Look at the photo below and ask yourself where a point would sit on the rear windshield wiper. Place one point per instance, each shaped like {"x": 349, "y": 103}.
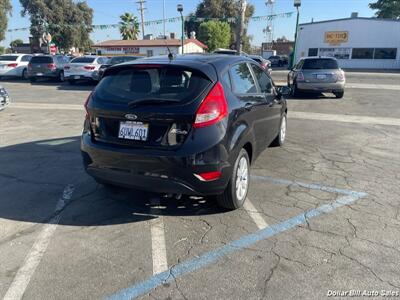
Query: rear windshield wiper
{"x": 151, "y": 101}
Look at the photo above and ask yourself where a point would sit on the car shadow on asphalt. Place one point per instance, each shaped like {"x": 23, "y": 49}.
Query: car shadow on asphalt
{"x": 34, "y": 175}
{"x": 78, "y": 86}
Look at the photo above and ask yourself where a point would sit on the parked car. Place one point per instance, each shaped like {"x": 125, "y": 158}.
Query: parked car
{"x": 84, "y": 68}
{"x": 277, "y": 61}
{"x": 4, "y": 98}
{"x": 265, "y": 64}
{"x": 116, "y": 60}
{"x": 14, "y": 65}
{"x": 47, "y": 66}
{"x": 317, "y": 75}
{"x": 192, "y": 125}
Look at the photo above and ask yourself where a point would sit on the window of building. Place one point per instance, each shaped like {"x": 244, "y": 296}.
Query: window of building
{"x": 362, "y": 53}
{"x": 242, "y": 80}
{"x": 313, "y": 52}
{"x": 385, "y": 53}
{"x": 149, "y": 53}
{"x": 338, "y": 53}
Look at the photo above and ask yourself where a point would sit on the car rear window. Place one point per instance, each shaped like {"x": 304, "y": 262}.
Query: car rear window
{"x": 8, "y": 57}
{"x": 41, "y": 59}
{"x": 257, "y": 60}
{"x": 121, "y": 59}
{"x": 318, "y": 63}
{"x": 125, "y": 85}
{"x": 84, "y": 60}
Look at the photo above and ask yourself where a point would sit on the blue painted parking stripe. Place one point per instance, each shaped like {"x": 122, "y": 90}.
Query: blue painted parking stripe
{"x": 212, "y": 256}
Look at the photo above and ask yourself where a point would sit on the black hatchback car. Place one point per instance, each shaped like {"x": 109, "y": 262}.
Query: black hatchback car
{"x": 191, "y": 125}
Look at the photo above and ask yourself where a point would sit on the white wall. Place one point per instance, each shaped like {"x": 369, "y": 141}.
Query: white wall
{"x": 363, "y": 33}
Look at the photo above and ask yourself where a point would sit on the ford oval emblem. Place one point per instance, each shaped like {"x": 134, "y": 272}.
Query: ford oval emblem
{"x": 131, "y": 116}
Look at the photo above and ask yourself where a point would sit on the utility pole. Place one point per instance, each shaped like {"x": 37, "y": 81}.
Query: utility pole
{"x": 240, "y": 26}
{"x": 141, "y": 9}
{"x": 164, "y": 19}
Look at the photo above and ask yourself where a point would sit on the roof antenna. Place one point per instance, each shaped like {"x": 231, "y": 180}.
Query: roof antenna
{"x": 170, "y": 54}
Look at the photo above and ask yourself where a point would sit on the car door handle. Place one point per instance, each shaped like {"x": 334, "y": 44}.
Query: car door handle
{"x": 248, "y": 106}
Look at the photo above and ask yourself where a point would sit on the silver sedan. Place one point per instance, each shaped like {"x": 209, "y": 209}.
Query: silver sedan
{"x": 317, "y": 75}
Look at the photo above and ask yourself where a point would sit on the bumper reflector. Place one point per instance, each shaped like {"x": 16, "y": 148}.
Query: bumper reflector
{"x": 208, "y": 176}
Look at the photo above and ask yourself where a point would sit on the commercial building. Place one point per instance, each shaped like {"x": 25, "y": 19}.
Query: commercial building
{"x": 360, "y": 43}
{"x": 149, "y": 47}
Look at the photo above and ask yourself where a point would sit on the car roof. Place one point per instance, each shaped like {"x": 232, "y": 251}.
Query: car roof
{"x": 14, "y": 54}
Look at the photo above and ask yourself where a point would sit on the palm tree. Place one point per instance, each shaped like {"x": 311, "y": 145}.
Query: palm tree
{"x": 129, "y": 27}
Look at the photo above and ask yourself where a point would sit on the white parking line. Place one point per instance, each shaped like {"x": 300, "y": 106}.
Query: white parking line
{"x": 158, "y": 247}
{"x": 32, "y": 260}
{"x": 254, "y": 214}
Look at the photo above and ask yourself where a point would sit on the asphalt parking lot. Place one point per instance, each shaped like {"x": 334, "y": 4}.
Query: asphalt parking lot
{"x": 322, "y": 215}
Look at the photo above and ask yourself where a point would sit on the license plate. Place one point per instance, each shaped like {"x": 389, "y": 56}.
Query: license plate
{"x": 321, "y": 76}
{"x": 133, "y": 131}
{"x": 39, "y": 74}
{"x": 77, "y": 77}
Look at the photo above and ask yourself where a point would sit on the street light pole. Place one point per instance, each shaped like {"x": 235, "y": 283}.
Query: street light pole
{"x": 297, "y": 4}
{"x": 179, "y": 8}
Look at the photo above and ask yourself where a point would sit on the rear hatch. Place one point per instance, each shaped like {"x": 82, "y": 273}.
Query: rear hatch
{"x": 321, "y": 70}
{"x": 41, "y": 64}
{"x": 81, "y": 65}
{"x": 146, "y": 106}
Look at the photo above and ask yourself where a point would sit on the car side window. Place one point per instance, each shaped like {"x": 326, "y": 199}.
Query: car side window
{"x": 263, "y": 79}
{"x": 242, "y": 79}
{"x": 26, "y": 58}
{"x": 300, "y": 64}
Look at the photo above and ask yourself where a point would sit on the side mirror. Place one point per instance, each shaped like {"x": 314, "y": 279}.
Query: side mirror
{"x": 283, "y": 90}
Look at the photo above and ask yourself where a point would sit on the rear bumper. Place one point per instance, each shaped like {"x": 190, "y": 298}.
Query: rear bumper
{"x": 321, "y": 86}
{"x": 10, "y": 72}
{"x": 48, "y": 74}
{"x": 82, "y": 76}
{"x": 151, "y": 170}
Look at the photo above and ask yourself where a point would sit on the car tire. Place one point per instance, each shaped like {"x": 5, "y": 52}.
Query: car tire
{"x": 24, "y": 75}
{"x": 235, "y": 193}
{"x": 71, "y": 81}
{"x": 61, "y": 77}
{"x": 280, "y": 138}
{"x": 339, "y": 95}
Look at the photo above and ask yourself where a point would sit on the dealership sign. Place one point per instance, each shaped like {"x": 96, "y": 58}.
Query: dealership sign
{"x": 121, "y": 50}
{"x": 336, "y": 37}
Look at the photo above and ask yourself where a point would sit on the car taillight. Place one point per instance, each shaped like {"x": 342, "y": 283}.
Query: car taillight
{"x": 86, "y": 105}
{"x": 300, "y": 76}
{"x": 208, "y": 176}
{"x": 67, "y": 67}
{"x": 340, "y": 76}
{"x": 213, "y": 108}
{"x": 89, "y": 67}
{"x": 51, "y": 66}
{"x": 13, "y": 65}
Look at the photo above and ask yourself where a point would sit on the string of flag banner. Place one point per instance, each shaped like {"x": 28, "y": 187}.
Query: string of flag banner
{"x": 168, "y": 20}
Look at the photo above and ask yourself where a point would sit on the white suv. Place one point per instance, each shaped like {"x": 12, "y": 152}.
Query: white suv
{"x": 14, "y": 65}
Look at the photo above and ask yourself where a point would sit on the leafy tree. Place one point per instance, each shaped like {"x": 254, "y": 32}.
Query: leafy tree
{"x": 2, "y": 49}
{"x": 215, "y": 34}
{"x": 389, "y": 9}
{"x": 221, "y": 9}
{"x": 16, "y": 43}
{"x": 5, "y": 10}
{"x": 69, "y": 22}
{"x": 129, "y": 27}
